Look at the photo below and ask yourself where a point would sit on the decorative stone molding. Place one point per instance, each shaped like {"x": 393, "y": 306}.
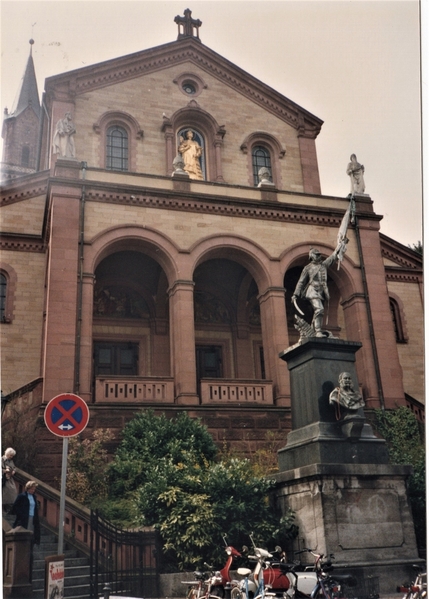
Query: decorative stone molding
{"x": 195, "y": 80}
{"x": 24, "y": 244}
{"x": 189, "y": 49}
{"x": 245, "y": 209}
{"x": 27, "y": 193}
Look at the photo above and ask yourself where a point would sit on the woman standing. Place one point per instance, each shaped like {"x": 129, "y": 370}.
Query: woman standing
{"x": 9, "y": 492}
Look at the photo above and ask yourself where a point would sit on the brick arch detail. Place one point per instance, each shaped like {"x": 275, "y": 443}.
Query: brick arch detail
{"x": 134, "y": 238}
{"x": 347, "y": 278}
{"x": 238, "y": 249}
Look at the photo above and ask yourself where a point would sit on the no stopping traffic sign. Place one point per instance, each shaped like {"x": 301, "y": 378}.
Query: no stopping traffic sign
{"x": 66, "y": 415}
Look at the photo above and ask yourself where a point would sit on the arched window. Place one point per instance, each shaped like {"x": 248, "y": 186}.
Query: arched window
{"x": 3, "y": 290}
{"x": 263, "y": 150}
{"x": 398, "y": 324}
{"x": 117, "y": 149}
{"x": 25, "y": 156}
{"x": 193, "y": 153}
{"x": 260, "y": 158}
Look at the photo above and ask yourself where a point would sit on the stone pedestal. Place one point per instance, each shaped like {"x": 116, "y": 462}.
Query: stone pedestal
{"x": 317, "y": 436}
{"x": 334, "y": 474}
{"x": 360, "y": 513}
{"x": 17, "y": 563}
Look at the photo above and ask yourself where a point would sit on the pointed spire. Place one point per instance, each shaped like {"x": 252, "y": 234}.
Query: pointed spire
{"x": 28, "y": 94}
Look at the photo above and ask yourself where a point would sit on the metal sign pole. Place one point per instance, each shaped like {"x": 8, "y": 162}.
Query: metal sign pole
{"x": 63, "y": 495}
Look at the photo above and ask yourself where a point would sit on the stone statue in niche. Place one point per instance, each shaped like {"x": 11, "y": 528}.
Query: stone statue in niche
{"x": 191, "y": 152}
{"x": 356, "y": 172}
{"x": 63, "y": 143}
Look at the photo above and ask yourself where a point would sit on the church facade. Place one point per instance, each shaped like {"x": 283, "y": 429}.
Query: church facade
{"x": 152, "y": 244}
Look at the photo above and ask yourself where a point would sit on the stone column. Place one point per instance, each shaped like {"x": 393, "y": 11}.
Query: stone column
{"x": 182, "y": 339}
{"x": 61, "y": 293}
{"x": 275, "y": 338}
{"x": 85, "y": 349}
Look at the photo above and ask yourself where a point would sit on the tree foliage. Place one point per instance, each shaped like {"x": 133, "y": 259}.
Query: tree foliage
{"x": 86, "y": 468}
{"x": 167, "y": 472}
{"x": 417, "y": 247}
{"x": 404, "y": 438}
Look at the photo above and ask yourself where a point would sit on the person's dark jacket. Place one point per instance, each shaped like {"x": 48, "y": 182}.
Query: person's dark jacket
{"x": 21, "y": 509}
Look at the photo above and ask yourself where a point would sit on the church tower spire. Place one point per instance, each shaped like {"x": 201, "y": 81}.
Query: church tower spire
{"x": 21, "y": 126}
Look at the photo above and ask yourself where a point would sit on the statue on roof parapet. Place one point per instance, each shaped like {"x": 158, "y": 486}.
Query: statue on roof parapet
{"x": 187, "y": 25}
{"x": 356, "y": 172}
{"x": 63, "y": 142}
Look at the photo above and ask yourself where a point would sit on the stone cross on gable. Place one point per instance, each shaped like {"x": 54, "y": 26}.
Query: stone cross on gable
{"x": 187, "y": 25}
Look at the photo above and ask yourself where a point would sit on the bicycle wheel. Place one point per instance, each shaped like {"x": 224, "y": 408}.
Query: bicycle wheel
{"x": 193, "y": 593}
{"x": 236, "y": 593}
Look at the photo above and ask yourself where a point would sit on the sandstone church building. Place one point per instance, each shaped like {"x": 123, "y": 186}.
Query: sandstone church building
{"x": 147, "y": 263}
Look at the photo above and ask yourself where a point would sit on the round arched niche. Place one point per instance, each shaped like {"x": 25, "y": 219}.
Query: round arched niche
{"x": 228, "y": 333}
{"x": 130, "y": 316}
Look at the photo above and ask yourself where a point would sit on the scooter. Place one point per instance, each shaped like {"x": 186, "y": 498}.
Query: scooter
{"x": 279, "y": 576}
{"x": 326, "y": 585}
{"x": 225, "y": 584}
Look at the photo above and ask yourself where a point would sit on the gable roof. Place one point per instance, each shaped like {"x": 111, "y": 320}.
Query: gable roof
{"x": 402, "y": 256}
{"x": 189, "y": 49}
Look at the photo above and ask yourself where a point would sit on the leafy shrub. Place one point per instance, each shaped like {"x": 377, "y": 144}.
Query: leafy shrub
{"x": 405, "y": 442}
{"x": 166, "y": 470}
{"x": 87, "y": 466}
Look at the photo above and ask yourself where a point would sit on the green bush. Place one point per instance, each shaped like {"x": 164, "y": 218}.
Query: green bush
{"x": 87, "y": 465}
{"x": 164, "y": 472}
{"x": 406, "y": 446}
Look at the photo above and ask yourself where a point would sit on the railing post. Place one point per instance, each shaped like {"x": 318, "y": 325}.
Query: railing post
{"x": 106, "y": 591}
{"x": 17, "y": 563}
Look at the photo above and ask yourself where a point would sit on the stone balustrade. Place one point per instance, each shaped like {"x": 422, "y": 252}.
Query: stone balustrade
{"x": 236, "y": 391}
{"x": 134, "y": 389}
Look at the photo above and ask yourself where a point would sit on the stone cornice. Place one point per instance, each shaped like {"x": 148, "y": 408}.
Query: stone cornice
{"x": 21, "y": 243}
{"x": 400, "y": 254}
{"x": 403, "y": 276}
{"x": 262, "y": 210}
{"x": 25, "y": 188}
{"x": 66, "y": 86}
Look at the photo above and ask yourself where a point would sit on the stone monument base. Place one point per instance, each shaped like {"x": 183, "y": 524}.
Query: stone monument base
{"x": 322, "y": 442}
{"x": 358, "y": 512}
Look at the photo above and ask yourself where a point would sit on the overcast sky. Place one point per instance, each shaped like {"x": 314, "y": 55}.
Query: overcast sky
{"x": 354, "y": 64}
